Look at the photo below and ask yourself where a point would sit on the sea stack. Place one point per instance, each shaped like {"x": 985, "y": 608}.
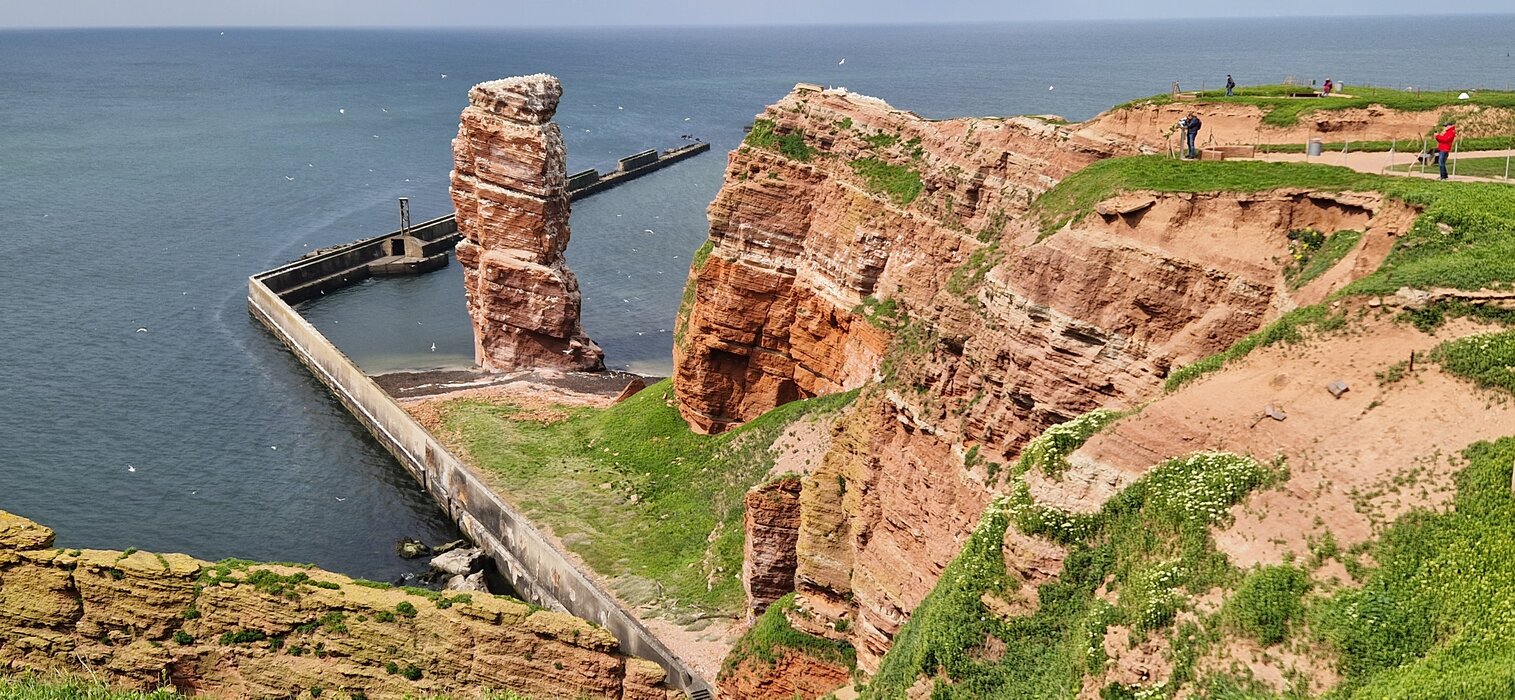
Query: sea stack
{"x": 509, "y": 185}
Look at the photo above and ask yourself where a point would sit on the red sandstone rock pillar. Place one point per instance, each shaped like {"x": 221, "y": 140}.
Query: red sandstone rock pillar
{"x": 509, "y": 185}
{"x": 773, "y": 528}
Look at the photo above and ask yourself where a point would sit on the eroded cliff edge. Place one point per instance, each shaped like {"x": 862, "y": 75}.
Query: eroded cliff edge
{"x": 241, "y": 629}
{"x": 854, "y": 244}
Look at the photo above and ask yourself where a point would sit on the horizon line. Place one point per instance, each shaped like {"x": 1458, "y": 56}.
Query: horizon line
{"x": 750, "y": 25}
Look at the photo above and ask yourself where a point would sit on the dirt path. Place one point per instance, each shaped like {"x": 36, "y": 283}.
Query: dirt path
{"x": 1379, "y": 163}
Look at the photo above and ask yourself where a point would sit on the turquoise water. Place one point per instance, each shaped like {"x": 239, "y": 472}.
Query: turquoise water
{"x": 147, "y": 173}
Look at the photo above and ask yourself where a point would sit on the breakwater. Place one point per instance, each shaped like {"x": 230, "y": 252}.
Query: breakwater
{"x": 539, "y": 571}
{"x": 426, "y": 246}
{"x": 534, "y": 567}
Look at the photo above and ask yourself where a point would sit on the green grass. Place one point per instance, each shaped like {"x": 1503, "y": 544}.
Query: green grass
{"x": 631, "y": 489}
{"x": 1488, "y": 360}
{"x": 772, "y": 634}
{"x": 1268, "y": 603}
{"x": 1075, "y": 196}
{"x": 1150, "y": 544}
{"x": 792, "y": 145}
{"x": 900, "y": 183}
{"x": 1476, "y": 167}
{"x": 1312, "y": 261}
{"x": 1279, "y": 110}
{"x": 30, "y": 687}
{"x": 1436, "y": 619}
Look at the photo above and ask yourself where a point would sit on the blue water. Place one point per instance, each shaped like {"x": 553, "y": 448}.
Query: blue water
{"x": 145, "y": 175}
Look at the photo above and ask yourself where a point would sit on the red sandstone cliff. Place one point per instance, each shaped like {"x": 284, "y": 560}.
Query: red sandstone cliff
{"x": 829, "y": 269}
{"x": 509, "y": 188}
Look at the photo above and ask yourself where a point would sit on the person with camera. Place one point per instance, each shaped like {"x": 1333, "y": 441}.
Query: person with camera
{"x": 1190, "y": 125}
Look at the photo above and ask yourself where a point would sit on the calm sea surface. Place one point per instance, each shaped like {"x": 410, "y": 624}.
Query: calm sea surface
{"x": 145, "y": 174}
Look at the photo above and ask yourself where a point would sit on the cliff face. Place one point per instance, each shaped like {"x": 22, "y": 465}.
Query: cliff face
{"x": 836, "y": 199}
{"x": 830, "y": 267}
{"x": 509, "y": 188}
{"x": 252, "y": 630}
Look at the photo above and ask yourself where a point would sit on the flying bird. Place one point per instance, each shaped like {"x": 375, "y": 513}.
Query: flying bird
{"x": 648, "y": 230}
{"x": 131, "y": 468}
{"x": 1049, "y": 87}
{"x": 841, "y": 61}
{"x": 286, "y": 177}
{"x": 433, "y": 347}
{"x": 339, "y": 498}
{"x": 141, "y": 329}
{"x": 341, "y": 111}
{"x": 444, "y": 75}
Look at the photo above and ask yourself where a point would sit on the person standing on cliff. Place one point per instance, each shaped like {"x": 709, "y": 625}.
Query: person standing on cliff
{"x": 1444, "y": 142}
{"x": 1327, "y": 87}
{"x": 1230, "y": 86}
{"x": 1190, "y": 125}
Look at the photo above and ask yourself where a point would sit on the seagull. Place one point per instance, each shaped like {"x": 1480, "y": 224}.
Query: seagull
{"x": 376, "y": 136}
{"x": 687, "y": 118}
{"x": 286, "y": 177}
{"x": 444, "y": 75}
{"x": 841, "y": 61}
{"x": 620, "y": 108}
{"x": 310, "y": 165}
{"x": 433, "y": 347}
{"x": 142, "y": 329}
{"x": 384, "y": 110}
{"x": 273, "y": 447}
{"x": 648, "y": 230}
{"x": 131, "y": 468}
{"x": 339, "y": 498}
{"x": 1049, "y": 87}
{"x": 341, "y": 111}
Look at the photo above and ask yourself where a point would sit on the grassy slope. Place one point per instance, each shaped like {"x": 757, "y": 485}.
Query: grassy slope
{"x": 61, "y": 688}
{"x": 631, "y": 489}
{"x": 1282, "y": 111}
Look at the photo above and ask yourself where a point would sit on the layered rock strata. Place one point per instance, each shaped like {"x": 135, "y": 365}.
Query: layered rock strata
{"x": 853, "y": 242}
{"x": 509, "y": 185}
{"x": 772, "y": 521}
{"x": 239, "y": 630}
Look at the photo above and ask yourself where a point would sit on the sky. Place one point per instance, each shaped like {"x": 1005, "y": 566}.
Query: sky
{"x": 571, "y": 13}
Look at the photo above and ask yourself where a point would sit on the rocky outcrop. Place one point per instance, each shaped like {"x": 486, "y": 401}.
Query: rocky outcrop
{"x": 791, "y": 675}
{"x": 834, "y": 200}
{"x": 239, "y": 629}
{"x": 509, "y": 186}
{"x": 772, "y": 521}
{"x": 829, "y": 268}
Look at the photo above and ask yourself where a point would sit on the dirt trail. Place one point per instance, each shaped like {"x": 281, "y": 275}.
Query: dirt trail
{"x": 1379, "y": 163}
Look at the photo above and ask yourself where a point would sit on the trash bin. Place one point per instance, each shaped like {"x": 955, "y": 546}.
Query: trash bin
{"x": 1314, "y": 148}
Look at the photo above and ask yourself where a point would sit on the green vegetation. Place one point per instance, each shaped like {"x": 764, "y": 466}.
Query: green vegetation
{"x": 1150, "y": 544}
{"x": 1075, "y": 197}
{"x": 792, "y": 145}
{"x": 772, "y": 634}
{"x": 697, "y": 263}
{"x": 243, "y": 637}
{"x": 1431, "y": 316}
{"x": 1287, "y": 329}
{"x": 1436, "y": 619}
{"x": 405, "y": 609}
{"x": 1268, "y": 602}
{"x": 901, "y": 184}
{"x": 1281, "y": 110}
{"x": 1315, "y": 253}
{"x": 31, "y": 687}
{"x": 1049, "y": 451}
{"x": 631, "y": 488}
{"x": 881, "y": 313}
{"x": 1476, "y": 167}
{"x": 1488, "y": 360}
{"x": 882, "y": 140}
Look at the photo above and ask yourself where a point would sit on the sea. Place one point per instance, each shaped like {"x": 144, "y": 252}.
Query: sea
{"x": 144, "y": 174}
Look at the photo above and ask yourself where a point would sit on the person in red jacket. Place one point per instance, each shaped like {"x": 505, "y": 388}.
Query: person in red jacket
{"x": 1444, "y": 146}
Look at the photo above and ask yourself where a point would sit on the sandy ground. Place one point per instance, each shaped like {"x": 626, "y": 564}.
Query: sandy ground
{"x": 1379, "y": 163}
{"x": 1355, "y": 463}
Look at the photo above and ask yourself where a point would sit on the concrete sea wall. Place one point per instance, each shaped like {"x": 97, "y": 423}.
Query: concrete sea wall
{"x": 535, "y": 568}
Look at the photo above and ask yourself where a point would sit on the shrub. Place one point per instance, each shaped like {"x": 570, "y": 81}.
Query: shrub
{"x": 1267, "y": 603}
